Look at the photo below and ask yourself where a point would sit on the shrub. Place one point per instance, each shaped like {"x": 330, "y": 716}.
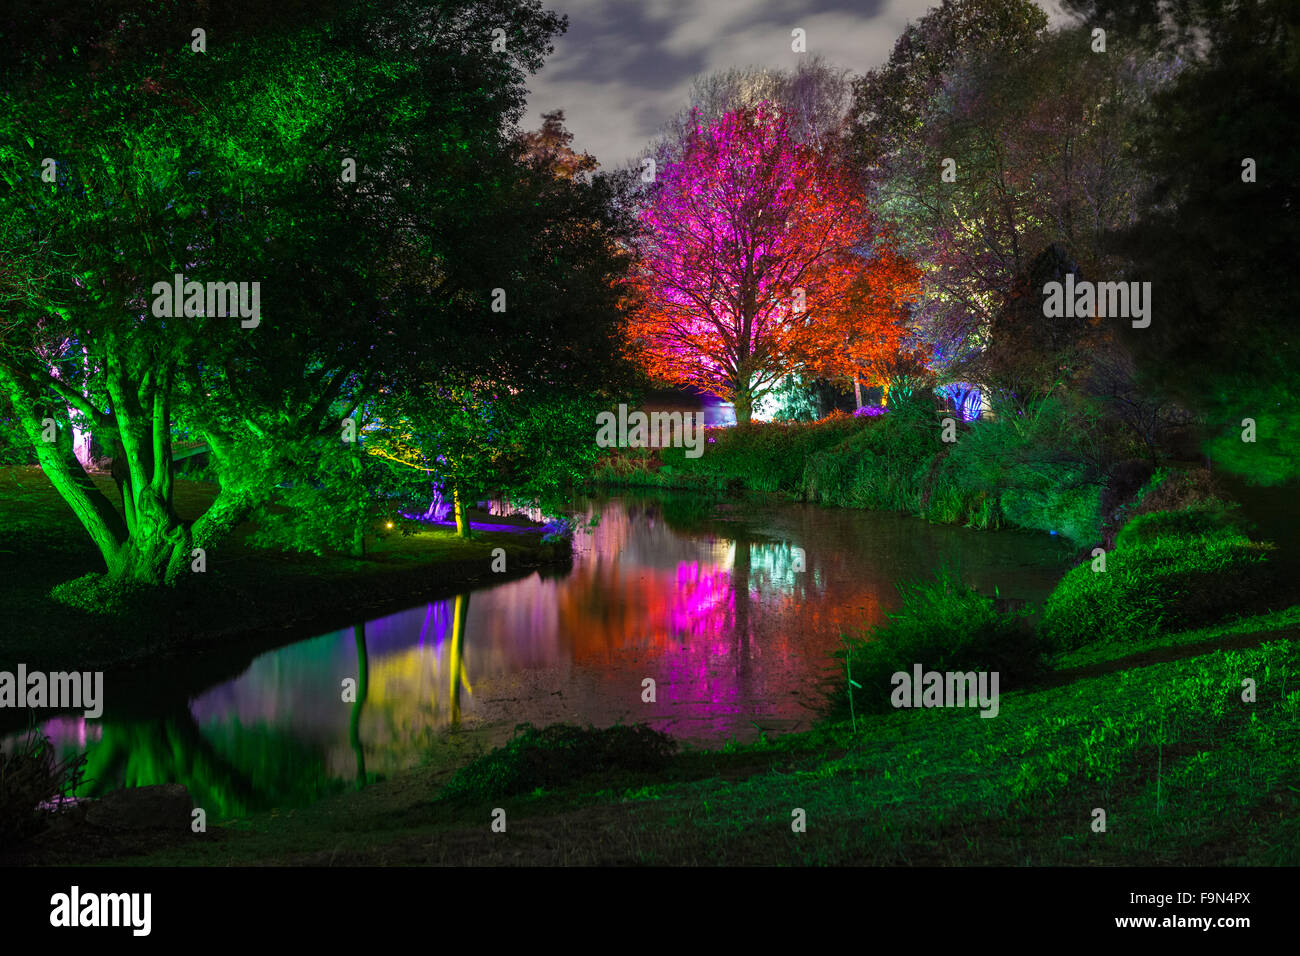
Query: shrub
{"x": 1194, "y": 522}
{"x": 1073, "y": 510}
{"x": 553, "y": 756}
{"x": 1183, "y": 501}
{"x": 764, "y": 456}
{"x": 882, "y": 466}
{"x": 943, "y": 625}
{"x": 1042, "y": 464}
{"x": 1166, "y": 583}
{"x": 32, "y": 779}
{"x": 1173, "y": 490}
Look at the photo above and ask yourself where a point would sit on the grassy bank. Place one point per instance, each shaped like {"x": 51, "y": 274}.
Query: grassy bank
{"x": 247, "y": 594}
{"x": 1034, "y": 469}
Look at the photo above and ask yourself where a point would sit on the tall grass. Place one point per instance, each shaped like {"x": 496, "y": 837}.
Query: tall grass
{"x": 32, "y": 779}
{"x": 762, "y": 456}
{"x": 942, "y": 624}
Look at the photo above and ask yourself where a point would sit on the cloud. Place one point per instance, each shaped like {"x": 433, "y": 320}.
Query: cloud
{"x": 623, "y": 68}
{"x": 626, "y": 66}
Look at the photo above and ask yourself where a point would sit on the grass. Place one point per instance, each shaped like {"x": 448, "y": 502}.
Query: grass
{"x": 31, "y": 776}
{"x": 550, "y": 757}
{"x": 944, "y": 625}
{"x": 1140, "y": 714}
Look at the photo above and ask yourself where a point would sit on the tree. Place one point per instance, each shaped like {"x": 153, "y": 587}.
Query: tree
{"x": 748, "y": 245}
{"x": 550, "y": 145}
{"x": 1010, "y": 160}
{"x": 514, "y": 412}
{"x": 891, "y": 101}
{"x": 860, "y": 339}
{"x": 1217, "y": 233}
{"x": 158, "y": 171}
{"x": 813, "y": 99}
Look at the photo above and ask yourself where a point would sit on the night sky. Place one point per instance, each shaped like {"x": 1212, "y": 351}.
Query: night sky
{"x": 625, "y": 67}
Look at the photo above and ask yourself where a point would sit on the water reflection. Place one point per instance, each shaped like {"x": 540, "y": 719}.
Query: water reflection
{"x": 733, "y": 610}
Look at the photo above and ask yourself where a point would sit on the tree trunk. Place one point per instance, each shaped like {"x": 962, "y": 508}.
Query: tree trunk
{"x": 744, "y": 403}
{"x": 857, "y": 393}
{"x": 462, "y": 514}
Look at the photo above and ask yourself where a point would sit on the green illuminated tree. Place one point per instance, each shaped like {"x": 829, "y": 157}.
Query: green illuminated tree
{"x": 228, "y": 165}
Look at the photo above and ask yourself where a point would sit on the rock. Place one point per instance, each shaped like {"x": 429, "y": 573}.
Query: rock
{"x": 163, "y": 807}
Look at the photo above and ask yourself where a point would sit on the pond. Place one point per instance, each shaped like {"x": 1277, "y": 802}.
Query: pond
{"x": 732, "y": 608}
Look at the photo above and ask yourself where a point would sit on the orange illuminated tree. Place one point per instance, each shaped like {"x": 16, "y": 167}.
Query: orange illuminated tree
{"x": 861, "y": 339}
{"x": 753, "y": 262}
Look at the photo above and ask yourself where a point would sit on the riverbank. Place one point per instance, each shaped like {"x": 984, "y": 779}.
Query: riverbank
{"x": 1038, "y": 470}
{"x": 247, "y": 596}
{"x": 1159, "y": 739}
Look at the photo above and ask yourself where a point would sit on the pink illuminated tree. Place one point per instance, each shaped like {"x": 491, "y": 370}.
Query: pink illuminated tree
{"x": 751, "y": 254}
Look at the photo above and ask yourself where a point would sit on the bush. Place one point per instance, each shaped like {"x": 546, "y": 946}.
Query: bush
{"x": 1186, "y": 501}
{"x": 554, "y": 756}
{"x": 32, "y": 779}
{"x": 1040, "y": 463}
{"x": 763, "y": 456}
{"x": 943, "y": 625}
{"x": 1195, "y": 522}
{"x": 1073, "y": 510}
{"x": 1170, "y": 581}
{"x": 882, "y": 466}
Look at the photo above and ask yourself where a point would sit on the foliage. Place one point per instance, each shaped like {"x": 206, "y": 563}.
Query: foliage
{"x": 472, "y": 443}
{"x": 882, "y": 466}
{"x": 943, "y": 625}
{"x": 104, "y": 595}
{"x": 1171, "y": 574}
{"x": 337, "y": 493}
{"x": 813, "y": 98}
{"x": 162, "y": 161}
{"x": 1041, "y": 146}
{"x": 792, "y": 400}
{"x": 1212, "y": 244}
{"x": 748, "y": 255}
{"x": 764, "y": 456}
{"x": 1041, "y": 461}
{"x": 31, "y": 779}
{"x": 1179, "y": 502}
{"x": 889, "y": 102}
